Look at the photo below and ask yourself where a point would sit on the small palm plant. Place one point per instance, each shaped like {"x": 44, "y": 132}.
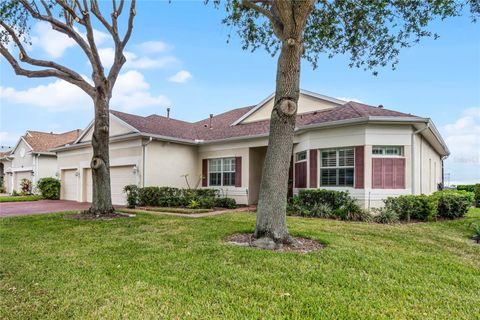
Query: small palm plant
{"x": 476, "y": 232}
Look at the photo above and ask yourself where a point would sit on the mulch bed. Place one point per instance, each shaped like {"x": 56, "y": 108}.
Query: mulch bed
{"x": 303, "y": 245}
{"x": 86, "y": 216}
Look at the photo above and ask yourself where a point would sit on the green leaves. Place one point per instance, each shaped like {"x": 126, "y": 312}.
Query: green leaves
{"x": 371, "y": 32}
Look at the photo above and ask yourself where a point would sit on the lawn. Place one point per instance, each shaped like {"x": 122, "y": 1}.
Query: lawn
{"x": 20, "y": 198}
{"x": 155, "y": 266}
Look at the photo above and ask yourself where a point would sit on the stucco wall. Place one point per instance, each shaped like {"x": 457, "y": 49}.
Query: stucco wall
{"x": 305, "y": 104}
{"x": 166, "y": 162}
{"x": 256, "y": 159}
{"x": 116, "y": 128}
{"x": 24, "y": 162}
{"x": 46, "y": 167}
{"x": 428, "y": 167}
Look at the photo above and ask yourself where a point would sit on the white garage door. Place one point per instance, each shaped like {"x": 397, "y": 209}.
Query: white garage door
{"x": 69, "y": 185}
{"x": 18, "y": 179}
{"x": 119, "y": 178}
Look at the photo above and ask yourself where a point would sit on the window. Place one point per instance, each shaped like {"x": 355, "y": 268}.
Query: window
{"x": 300, "y": 156}
{"x": 221, "y": 172}
{"x": 337, "y": 167}
{"x": 387, "y": 150}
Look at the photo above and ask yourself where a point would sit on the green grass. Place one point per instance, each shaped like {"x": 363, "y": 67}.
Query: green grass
{"x": 20, "y": 198}
{"x": 168, "y": 267}
{"x": 168, "y": 209}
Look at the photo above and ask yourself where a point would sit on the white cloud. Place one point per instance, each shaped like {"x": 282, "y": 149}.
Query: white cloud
{"x": 54, "y": 96}
{"x": 463, "y": 137}
{"x": 55, "y": 43}
{"x": 8, "y": 139}
{"x": 181, "y": 77}
{"x": 131, "y": 92}
{"x": 153, "y": 47}
{"x": 134, "y": 62}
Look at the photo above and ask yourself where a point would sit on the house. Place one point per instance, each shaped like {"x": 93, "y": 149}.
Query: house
{"x": 372, "y": 152}
{"x": 31, "y": 159}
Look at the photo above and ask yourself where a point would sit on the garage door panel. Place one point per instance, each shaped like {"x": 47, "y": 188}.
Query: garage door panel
{"x": 119, "y": 178}
{"x": 69, "y": 185}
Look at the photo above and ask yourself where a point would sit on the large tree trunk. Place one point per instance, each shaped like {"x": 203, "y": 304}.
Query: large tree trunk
{"x": 271, "y": 211}
{"x": 101, "y": 199}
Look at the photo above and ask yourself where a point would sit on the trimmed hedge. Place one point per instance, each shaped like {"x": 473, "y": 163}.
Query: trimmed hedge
{"x": 175, "y": 197}
{"x": 448, "y": 204}
{"x": 49, "y": 188}
{"x": 411, "y": 207}
{"x": 321, "y": 203}
{"x": 466, "y": 187}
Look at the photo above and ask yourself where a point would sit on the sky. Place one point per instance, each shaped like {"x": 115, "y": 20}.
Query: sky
{"x": 179, "y": 57}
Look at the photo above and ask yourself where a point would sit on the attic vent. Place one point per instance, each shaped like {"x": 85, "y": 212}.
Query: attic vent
{"x": 211, "y": 118}
{"x": 168, "y": 113}
{"x": 380, "y": 106}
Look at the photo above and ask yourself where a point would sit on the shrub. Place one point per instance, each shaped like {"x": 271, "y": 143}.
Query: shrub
{"x": 225, "y": 202}
{"x": 149, "y": 196}
{"x": 3, "y": 189}
{"x": 193, "y": 204}
{"x": 477, "y": 195}
{"x": 335, "y": 199}
{"x": 206, "y": 203}
{"x": 466, "y": 187}
{"x": 476, "y": 233}
{"x": 15, "y": 193}
{"x": 49, "y": 188}
{"x": 26, "y": 186}
{"x": 353, "y": 212}
{"x": 384, "y": 215}
{"x": 419, "y": 207}
{"x": 321, "y": 210}
{"x": 171, "y": 197}
{"x": 451, "y": 205}
{"x": 132, "y": 195}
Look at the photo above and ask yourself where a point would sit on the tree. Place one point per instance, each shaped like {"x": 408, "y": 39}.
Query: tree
{"x": 68, "y": 17}
{"x": 372, "y": 32}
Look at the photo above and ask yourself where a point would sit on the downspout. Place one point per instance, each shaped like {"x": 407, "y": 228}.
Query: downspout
{"x": 443, "y": 171}
{"x": 413, "y": 157}
{"x": 144, "y": 160}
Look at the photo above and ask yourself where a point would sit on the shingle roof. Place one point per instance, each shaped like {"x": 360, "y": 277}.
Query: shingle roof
{"x": 221, "y": 125}
{"x": 44, "y": 141}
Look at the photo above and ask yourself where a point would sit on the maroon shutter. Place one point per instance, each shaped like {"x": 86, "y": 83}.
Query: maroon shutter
{"x": 399, "y": 173}
{"x": 313, "y": 168}
{"x": 388, "y": 173}
{"x": 205, "y": 173}
{"x": 301, "y": 174}
{"x": 377, "y": 173}
{"x": 238, "y": 171}
{"x": 359, "y": 167}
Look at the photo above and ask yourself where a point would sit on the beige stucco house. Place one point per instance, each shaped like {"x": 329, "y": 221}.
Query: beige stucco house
{"x": 31, "y": 159}
{"x": 372, "y": 152}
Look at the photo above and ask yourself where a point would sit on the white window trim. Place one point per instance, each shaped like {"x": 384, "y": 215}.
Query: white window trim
{"x": 319, "y": 161}
{"x": 402, "y": 149}
{"x": 221, "y": 172}
{"x": 306, "y": 156}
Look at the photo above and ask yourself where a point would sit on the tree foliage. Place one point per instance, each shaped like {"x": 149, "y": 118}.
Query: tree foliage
{"x": 370, "y": 32}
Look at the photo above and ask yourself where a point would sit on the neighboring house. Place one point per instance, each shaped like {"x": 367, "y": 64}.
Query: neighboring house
{"x": 31, "y": 159}
{"x": 5, "y": 162}
{"x": 372, "y": 152}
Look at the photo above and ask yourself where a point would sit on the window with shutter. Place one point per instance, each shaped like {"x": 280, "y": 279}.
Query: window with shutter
{"x": 337, "y": 167}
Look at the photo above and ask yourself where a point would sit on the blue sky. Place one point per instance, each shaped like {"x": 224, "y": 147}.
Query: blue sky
{"x": 178, "y": 56}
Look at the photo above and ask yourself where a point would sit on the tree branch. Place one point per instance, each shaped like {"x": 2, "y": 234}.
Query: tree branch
{"x": 82, "y": 84}
{"x": 130, "y": 24}
{"x": 277, "y": 25}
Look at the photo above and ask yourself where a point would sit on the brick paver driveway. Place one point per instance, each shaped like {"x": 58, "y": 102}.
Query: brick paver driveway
{"x": 9, "y": 209}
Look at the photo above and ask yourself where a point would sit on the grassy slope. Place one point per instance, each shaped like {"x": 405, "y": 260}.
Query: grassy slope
{"x": 20, "y": 198}
{"x": 165, "y": 267}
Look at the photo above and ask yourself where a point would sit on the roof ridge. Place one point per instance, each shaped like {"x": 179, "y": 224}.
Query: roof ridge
{"x": 353, "y": 105}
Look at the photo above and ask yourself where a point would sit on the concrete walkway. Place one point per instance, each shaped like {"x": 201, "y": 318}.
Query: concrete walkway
{"x": 11, "y": 209}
